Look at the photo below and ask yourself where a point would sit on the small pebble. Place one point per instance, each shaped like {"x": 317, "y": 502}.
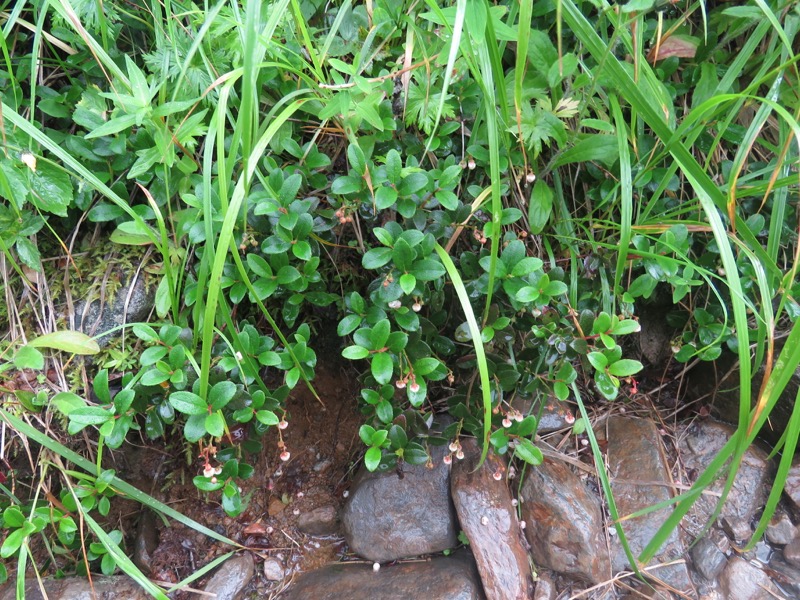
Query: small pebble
{"x": 273, "y": 569}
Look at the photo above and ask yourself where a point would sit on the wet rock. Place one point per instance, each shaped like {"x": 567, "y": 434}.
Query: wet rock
{"x": 639, "y": 479}
{"x": 545, "y": 588}
{"x": 452, "y": 577}
{"x": 488, "y": 518}
{"x": 320, "y": 521}
{"x": 792, "y": 487}
{"x": 146, "y": 541}
{"x": 564, "y": 523}
{"x": 785, "y": 575}
{"x": 78, "y": 588}
{"x": 708, "y": 559}
{"x": 551, "y": 412}
{"x": 273, "y": 569}
{"x": 699, "y": 445}
{"x": 780, "y": 530}
{"x": 228, "y": 582}
{"x": 387, "y": 517}
{"x": 742, "y": 581}
{"x": 791, "y": 552}
{"x": 132, "y": 302}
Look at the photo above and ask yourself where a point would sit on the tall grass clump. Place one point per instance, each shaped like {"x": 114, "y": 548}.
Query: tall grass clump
{"x": 482, "y": 195}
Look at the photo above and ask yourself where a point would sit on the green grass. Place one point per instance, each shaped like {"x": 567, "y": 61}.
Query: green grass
{"x": 189, "y": 124}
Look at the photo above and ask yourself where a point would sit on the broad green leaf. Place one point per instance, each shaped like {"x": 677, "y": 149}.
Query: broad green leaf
{"x": 540, "y": 206}
{"x": 358, "y": 162}
{"x": 215, "y": 424}
{"x": 74, "y": 342}
{"x": 385, "y": 197}
{"x": 348, "y": 325}
{"x": 355, "y": 352}
{"x": 131, "y": 233}
{"x": 28, "y": 253}
{"x": 626, "y": 326}
{"x": 527, "y": 294}
{"x": 28, "y": 357}
{"x": 372, "y": 458}
{"x": 625, "y": 367}
{"x": 595, "y": 147}
{"x": 380, "y": 334}
{"x": 163, "y": 300}
{"x": 146, "y": 333}
{"x": 195, "y": 427}
{"x": 407, "y": 283}
{"x": 267, "y": 417}
{"x": 428, "y": 269}
{"x": 188, "y": 403}
{"x": 376, "y": 258}
{"x": 598, "y": 360}
{"x": 528, "y": 452}
{"x": 221, "y": 394}
{"x": 66, "y": 402}
{"x": 402, "y": 255}
{"x": 365, "y": 432}
{"x": 382, "y": 367}
{"x": 13, "y": 517}
{"x": 526, "y": 266}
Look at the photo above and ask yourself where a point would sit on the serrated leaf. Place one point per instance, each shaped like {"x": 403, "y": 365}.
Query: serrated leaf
{"x": 51, "y": 189}
{"x": 28, "y": 357}
{"x": 28, "y": 253}
{"x": 74, "y": 342}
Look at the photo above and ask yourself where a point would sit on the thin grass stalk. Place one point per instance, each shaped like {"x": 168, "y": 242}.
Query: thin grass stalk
{"x": 118, "y": 484}
{"x": 626, "y": 193}
{"x": 225, "y": 241}
{"x": 605, "y": 483}
{"x": 710, "y": 198}
{"x": 477, "y": 341}
{"x": 120, "y": 558}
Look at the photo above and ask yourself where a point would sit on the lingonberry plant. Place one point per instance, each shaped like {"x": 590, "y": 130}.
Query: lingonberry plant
{"x": 482, "y": 197}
